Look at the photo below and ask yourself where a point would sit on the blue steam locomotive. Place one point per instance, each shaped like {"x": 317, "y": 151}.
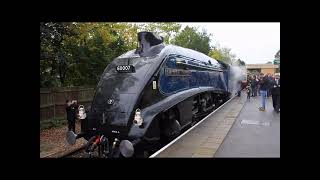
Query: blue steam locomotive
{"x": 148, "y": 96}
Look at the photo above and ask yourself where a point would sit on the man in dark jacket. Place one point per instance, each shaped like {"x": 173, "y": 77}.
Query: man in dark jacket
{"x": 264, "y": 86}
{"x": 275, "y": 91}
{"x": 248, "y": 88}
{"x": 270, "y": 79}
{"x": 254, "y": 86}
{"x": 71, "y": 109}
{"x": 258, "y": 84}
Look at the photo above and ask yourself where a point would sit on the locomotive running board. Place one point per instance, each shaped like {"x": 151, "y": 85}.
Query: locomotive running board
{"x": 173, "y": 141}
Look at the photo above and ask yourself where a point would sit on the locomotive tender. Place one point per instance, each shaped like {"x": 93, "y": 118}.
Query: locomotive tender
{"x": 147, "y": 96}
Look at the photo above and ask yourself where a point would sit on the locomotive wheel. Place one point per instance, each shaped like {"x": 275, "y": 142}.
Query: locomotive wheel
{"x": 170, "y": 126}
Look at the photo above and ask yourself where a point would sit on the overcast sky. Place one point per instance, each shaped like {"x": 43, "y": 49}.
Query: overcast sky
{"x": 251, "y": 42}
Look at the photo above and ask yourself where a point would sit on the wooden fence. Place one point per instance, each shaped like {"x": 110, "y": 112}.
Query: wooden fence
{"x": 52, "y": 101}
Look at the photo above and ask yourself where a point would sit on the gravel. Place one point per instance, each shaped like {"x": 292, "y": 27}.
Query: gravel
{"x": 53, "y": 141}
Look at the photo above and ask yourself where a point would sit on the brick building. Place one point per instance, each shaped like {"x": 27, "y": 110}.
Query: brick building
{"x": 262, "y": 68}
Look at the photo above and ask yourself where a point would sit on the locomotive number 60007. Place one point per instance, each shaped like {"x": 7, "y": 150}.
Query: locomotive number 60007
{"x": 125, "y": 68}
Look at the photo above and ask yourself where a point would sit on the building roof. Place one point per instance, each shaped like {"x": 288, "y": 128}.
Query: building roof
{"x": 260, "y": 66}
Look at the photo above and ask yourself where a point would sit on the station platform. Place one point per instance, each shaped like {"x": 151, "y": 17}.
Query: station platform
{"x": 238, "y": 129}
{"x": 254, "y": 133}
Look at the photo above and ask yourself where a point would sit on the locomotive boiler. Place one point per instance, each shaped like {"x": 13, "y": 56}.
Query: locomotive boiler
{"x": 148, "y": 96}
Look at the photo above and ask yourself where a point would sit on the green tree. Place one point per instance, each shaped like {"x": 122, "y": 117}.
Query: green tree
{"x": 52, "y": 60}
{"x": 99, "y": 44}
{"x": 223, "y": 54}
{"x": 73, "y": 54}
{"x": 216, "y": 53}
{"x": 191, "y": 38}
{"x": 277, "y": 56}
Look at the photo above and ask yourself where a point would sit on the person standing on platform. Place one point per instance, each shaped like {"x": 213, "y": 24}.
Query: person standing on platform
{"x": 258, "y": 85}
{"x": 254, "y": 86}
{"x": 264, "y": 86}
{"x": 276, "y": 93}
{"x": 248, "y": 88}
{"x": 270, "y": 79}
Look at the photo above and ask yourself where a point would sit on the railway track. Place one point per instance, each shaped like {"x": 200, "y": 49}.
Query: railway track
{"x": 74, "y": 153}
{"x": 66, "y": 154}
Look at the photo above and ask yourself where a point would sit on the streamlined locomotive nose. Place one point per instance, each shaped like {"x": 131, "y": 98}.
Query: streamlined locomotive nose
{"x": 117, "y": 93}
